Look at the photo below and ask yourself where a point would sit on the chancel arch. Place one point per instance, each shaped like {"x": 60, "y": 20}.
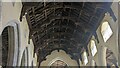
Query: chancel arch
{"x": 62, "y": 56}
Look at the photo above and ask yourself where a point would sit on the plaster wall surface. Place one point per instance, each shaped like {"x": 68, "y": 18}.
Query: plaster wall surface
{"x": 10, "y": 12}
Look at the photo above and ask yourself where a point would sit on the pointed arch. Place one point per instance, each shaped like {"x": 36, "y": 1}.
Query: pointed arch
{"x": 61, "y": 55}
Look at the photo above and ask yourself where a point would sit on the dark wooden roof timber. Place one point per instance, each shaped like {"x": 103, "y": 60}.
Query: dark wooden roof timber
{"x": 63, "y": 25}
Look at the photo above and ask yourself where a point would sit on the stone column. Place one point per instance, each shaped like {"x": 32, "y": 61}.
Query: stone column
{"x": 92, "y": 63}
{"x": 102, "y": 56}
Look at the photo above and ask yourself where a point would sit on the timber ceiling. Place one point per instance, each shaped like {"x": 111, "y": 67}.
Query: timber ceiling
{"x": 66, "y": 26}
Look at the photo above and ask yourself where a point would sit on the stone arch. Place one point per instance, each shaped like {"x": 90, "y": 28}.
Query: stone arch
{"x": 61, "y": 55}
{"x": 25, "y": 57}
{"x": 13, "y": 42}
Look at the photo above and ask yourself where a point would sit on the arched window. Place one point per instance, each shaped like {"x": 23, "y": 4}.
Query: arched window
{"x": 93, "y": 47}
{"x": 9, "y": 46}
{"x": 106, "y": 31}
{"x": 85, "y": 57}
{"x": 59, "y": 64}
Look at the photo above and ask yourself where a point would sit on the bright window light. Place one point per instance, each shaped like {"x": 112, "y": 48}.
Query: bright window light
{"x": 85, "y": 59}
{"x": 106, "y": 31}
{"x": 93, "y": 47}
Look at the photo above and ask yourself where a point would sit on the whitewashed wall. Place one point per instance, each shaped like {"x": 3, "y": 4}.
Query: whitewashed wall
{"x": 11, "y": 13}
